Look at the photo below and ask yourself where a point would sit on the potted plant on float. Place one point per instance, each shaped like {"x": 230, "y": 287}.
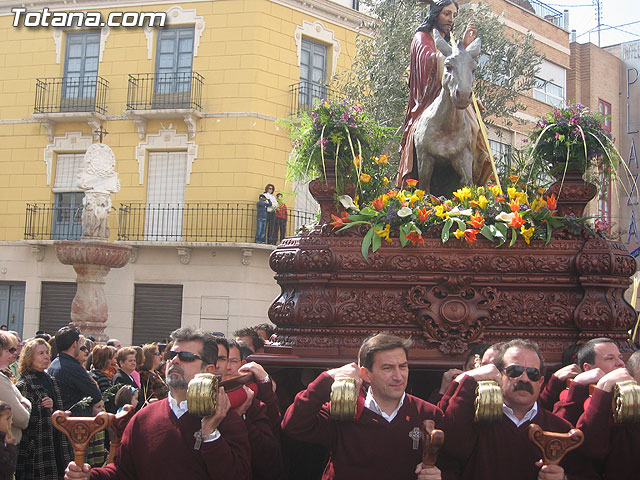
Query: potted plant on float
{"x": 334, "y": 144}
{"x": 578, "y": 152}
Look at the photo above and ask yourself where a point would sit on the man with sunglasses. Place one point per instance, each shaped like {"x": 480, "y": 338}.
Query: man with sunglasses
{"x": 74, "y": 380}
{"x": 163, "y": 440}
{"x": 502, "y": 450}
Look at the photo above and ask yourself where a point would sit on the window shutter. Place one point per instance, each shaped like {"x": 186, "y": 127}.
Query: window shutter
{"x": 68, "y": 165}
{"x": 55, "y": 305}
{"x": 157, "y": 311}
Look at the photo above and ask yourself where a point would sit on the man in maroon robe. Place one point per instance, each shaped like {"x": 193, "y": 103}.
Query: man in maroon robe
{"x": 425, "y": 75}
{"x": 384, "y": 441}
{"x": 164, "y": 440}
{"x": 502, "y": 450}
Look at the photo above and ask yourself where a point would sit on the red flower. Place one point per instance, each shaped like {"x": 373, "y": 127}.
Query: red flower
{"x": 552, "y": 202}
{"x": 379, "y": 202}
{"x": 517, "y": 221}
{"x": 415, "y": 237}
{"x": 470, "y": 235}
{"x": 337, "y": 223}
{"x": 501, "y": 198}
{"x": 411, "y": 182}
{"x": 476, "y": 221}
{"x": 423, "y": 214}
{"x": 515, "y": 205}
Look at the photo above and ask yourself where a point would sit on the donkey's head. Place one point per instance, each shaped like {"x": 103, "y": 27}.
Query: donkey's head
{"x": 459, "y": 69}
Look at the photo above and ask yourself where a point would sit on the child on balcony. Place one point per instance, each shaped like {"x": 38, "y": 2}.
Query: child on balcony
{"x": 261, "y": 219}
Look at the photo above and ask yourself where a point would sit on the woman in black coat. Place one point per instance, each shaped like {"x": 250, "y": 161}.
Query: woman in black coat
{"x": 44, "y": 451}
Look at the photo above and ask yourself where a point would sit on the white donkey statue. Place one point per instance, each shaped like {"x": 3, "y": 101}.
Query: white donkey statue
{"x": 443, "y": 136}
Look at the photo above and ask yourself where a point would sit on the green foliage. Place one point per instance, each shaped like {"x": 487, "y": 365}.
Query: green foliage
{"x": 335, "y": 134}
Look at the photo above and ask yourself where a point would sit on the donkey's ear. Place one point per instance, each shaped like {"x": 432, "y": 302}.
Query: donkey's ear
{"x": 474, "y": 48}
{"x": 443, "y": 45}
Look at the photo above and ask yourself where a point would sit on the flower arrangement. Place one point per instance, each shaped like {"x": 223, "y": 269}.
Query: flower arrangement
{"x": 410, "y": 214}
{"x": 336, "y": 133}
{"x": 573, "y": 138}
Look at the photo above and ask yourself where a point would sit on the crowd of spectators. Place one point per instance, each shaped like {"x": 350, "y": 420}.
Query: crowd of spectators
{"x": 285, "y": 431}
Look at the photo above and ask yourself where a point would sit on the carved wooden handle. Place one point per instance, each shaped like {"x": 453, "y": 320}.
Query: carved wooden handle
{"x": 554, "y": 446}
{"x": 79, "y": 430}
{"x": 433, "y": 440}
{"x": 117, "y": 425}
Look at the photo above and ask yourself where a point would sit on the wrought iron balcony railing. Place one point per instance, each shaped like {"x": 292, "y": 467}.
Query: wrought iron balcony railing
{"x": 196, "y": 222}
{"x": 542, "y": 10}
{"x": 303, "y": 96}
{"x": 71, "y": 94}
{"x": 176, "y": 90}
{"x": 165, "y": 222}
{"x": 48, "y": 221}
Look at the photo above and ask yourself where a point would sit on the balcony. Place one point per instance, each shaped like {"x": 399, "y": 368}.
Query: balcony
{"x": 543, "y": 11}
{"x": 142, "y": 222}
{"x": 302, "y": 96}
{"x": 195, "y": 222}
{"x": 165, "y": 95}
{"x": 70, "y": 99}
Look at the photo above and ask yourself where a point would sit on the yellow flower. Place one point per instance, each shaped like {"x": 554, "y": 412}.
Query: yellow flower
{"x": 355, "y": 201}
{"x": 538, "y": 203}
{"x": 381, "y": 160}
{"x": 511, "y": 191}
{"x": 384, "y": 232}
{"x": 440, "y": 211}
{"x": 522, "y": 198}
{"x": 402, "y": 196}
{"x": 527, "y": 233}
{"x": 365, "y": 178}
{"x": 459, "y": 233}
{"x": 385, "y": 181}
{"x": 495, "y": 189}
{"x": 462, "y": 194}
{"x": 414, "y": 198}
{"x": 420, "y": 194}
{"x": 482, "y": 202}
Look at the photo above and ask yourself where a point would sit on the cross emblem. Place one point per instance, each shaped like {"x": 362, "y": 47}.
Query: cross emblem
{"x": 415, "y": 435}
{"x": 101, "y": 132}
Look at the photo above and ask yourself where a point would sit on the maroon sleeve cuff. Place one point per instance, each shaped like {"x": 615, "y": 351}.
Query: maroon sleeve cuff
{"x": 578, "y": 392}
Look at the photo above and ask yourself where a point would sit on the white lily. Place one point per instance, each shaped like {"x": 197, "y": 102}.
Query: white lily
{"x": 347, "y": 202}
{"x": 456, "y": 212}
{"x": 505, "y": 217}
{"x": 404, "y": 212}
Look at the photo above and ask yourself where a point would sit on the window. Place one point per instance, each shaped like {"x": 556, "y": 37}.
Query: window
{"x": 165, "y": 196}
{"x": 501, "y": 154}
{"x": 174, "y": 59}
{"x": 605, "y": 109}
{"x": 67, "y": 206}
{"x": 157, "y": 311}
{"x": 313, "y": 72}
{"x": 55, "y": 305}
{"x": 550, "y": 84}
{"x": 80, "y": 71}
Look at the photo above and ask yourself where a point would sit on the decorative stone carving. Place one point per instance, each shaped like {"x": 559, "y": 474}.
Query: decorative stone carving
{"x": 184, "y": 254}
{"x": 38, "y": 252}
{"x": 98, "y": 179}
{"x": 247, "y": 253}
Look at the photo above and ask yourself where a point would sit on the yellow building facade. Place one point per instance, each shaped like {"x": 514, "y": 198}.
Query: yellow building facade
{"x": 191, "y": 112}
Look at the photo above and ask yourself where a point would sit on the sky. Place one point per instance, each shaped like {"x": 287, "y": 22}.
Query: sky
{"x": 624, "y": 14}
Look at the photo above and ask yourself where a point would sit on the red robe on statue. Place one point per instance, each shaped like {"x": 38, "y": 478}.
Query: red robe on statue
{"x": 424, "y": 87}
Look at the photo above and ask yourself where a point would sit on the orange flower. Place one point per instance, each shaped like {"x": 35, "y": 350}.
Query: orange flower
{"x": 552, "y": 202}
{"x": 501, "y": 198}
{"x": 423, "y": 214}
{"x": 364, "y": 178}
{"x": 357, "y": 160}
{"x": 515, "y": 205}
{"x": 411, "y": 182}
{"x": 476, "y": 221}
{"x": 514, "y": 178}
{"x": 415, "y": 237}
{"x": 391, "y": 194}
{"x": 517, "y": 221}
{"x": 337, "y": 223}
{"x": 379, "y": 203}
{"x": 470, "y": 235}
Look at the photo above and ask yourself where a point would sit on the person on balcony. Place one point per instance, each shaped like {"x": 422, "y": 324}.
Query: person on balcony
{"x": 281, "y": 220}
{"x": 262, "y": 218}
{"x": 269, "y": 193}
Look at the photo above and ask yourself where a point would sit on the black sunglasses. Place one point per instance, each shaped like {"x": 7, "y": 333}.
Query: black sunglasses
{"x": 514, "y": 371}
{"x": 186, "y": 357}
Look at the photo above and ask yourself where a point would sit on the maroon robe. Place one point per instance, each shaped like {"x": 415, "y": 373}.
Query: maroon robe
{"x": 424, "y": 87}
{"x": 614, "y": 446}
{"x": 502, "y": 450}
{"x": 370, "y": 447}
{"x": 156, "y": 444}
